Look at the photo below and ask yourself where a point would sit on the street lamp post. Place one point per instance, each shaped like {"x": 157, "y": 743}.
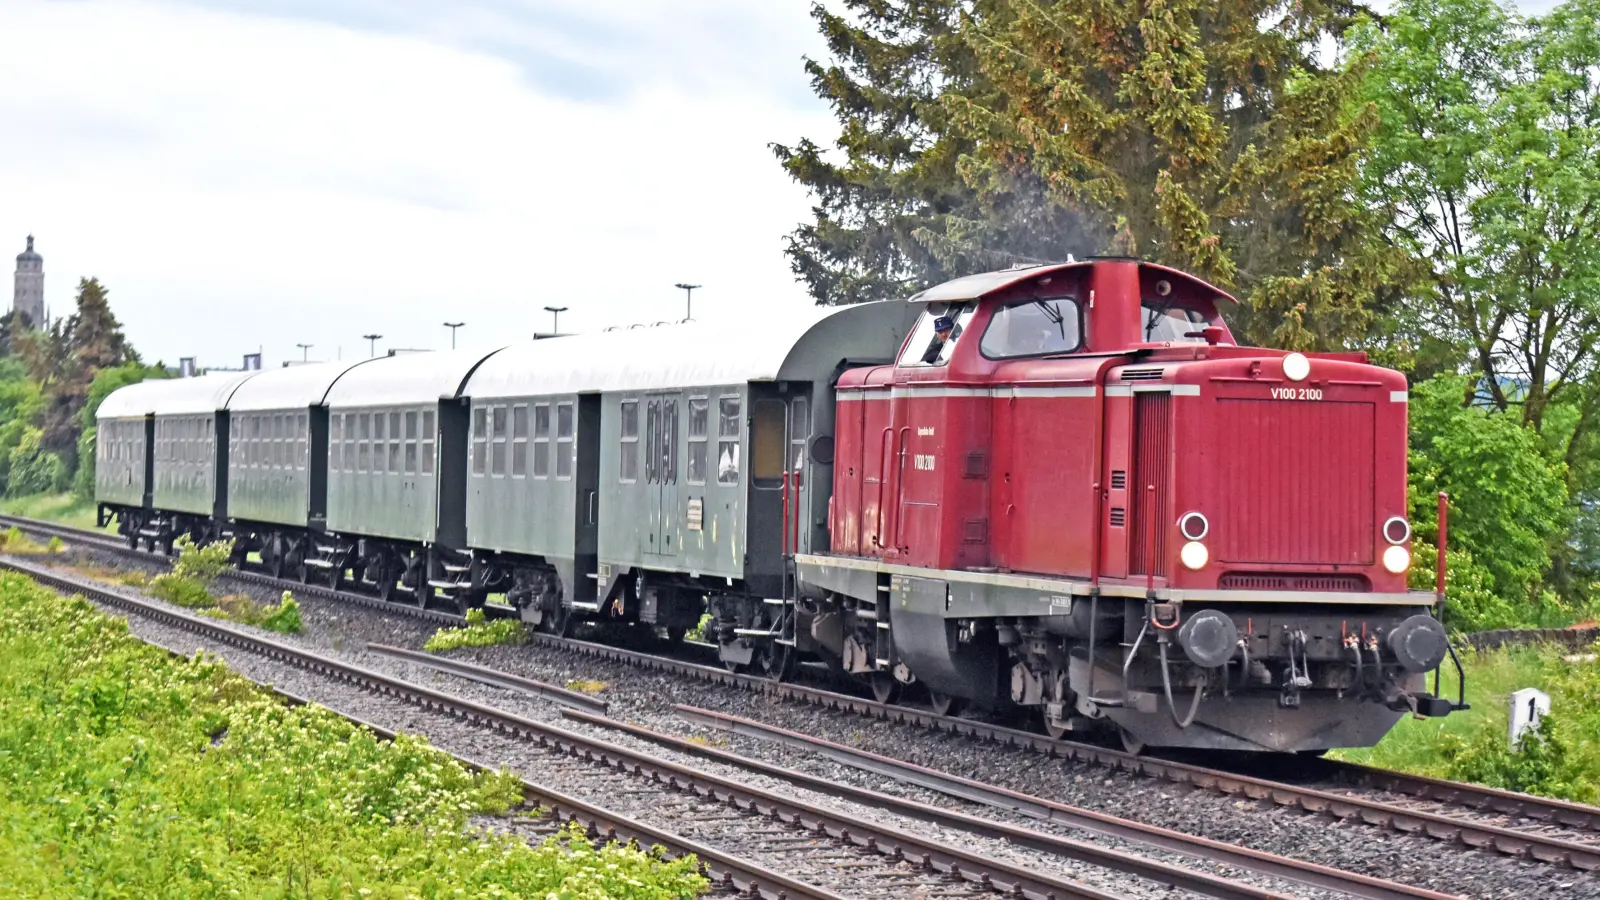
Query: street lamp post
{"x": 688, "y": 299}
{"x": 305, "y": 351}
{"x": 555, "y": 318}
{"x": 453, "y": 326}
{"x": 372, "y": 343}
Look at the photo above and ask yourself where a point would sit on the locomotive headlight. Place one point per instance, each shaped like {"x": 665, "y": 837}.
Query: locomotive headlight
{"x": 1194, "y": 555}
{"x": 1397, "y": 559}
{"x": 1296, "y": 367}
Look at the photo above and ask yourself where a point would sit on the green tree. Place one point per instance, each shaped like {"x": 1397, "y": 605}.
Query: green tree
{"x": 894, "y": 215}
{"x": 64, "y": 361}
{"x": 1208, "y": 136}
{"x": 1508, "y": 503}
{"x": 1486, "y": 167}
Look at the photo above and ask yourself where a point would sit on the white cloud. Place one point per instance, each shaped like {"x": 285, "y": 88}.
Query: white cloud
{"x": 240, "y": 180}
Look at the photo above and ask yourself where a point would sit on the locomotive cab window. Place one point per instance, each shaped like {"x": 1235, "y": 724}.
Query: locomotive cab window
{"x": 925, "y": 347}
{"x": 1167, "y": 322}
{"x": 1039, "y": 327}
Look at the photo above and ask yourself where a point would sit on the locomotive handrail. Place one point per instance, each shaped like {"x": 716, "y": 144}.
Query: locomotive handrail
{"x": 885, "y": 450}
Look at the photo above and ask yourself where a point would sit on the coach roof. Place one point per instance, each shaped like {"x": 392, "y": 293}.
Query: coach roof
{"x": 172, "y": 396}
{"x": 687, "y": 354}
{"x": 292, "y": 387}
{"x": 408, "y": 379}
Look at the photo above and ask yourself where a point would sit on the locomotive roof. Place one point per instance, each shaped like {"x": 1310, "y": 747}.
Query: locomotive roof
{"x": 293, "y": 387}
{"x": 971, "y": 287}
{"x": 173, "y": 396}
{"x": 408, "y": 379}
{"x": 695, "y": 353}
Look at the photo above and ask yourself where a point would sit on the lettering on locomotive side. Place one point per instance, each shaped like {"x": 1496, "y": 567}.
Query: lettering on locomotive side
{"x": 1289, "y": 393}
{"x": 925, "y": 431}
{"x": 922, "y": 462}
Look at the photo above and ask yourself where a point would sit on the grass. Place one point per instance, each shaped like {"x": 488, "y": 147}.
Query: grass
{"x": 586, "y": 686}
{"x": 63, "y": 509}
{"x": 133, "y": 773}
{"x": 1463, "y": 744}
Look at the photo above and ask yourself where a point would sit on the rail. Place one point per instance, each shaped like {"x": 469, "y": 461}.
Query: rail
{"x": 1472, "y": 797}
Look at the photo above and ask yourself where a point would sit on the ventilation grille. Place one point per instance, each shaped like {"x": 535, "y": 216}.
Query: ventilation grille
{"x": 1119, "y": 517}
{"x": 1152, "y": 468}
{"x": 1119, "y": 480}
{"x": 1246, "y": 581}
{"x": 975, "y": 531}
{"x": 1142, "y": 374}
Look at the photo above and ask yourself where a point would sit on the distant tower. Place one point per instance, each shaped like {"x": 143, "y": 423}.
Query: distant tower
{"x": 29, "y": 295}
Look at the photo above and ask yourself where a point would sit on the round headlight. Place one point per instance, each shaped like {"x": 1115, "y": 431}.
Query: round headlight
{"x": 1296, "y": 367}
{"x": 1397, "y": 559}
{"x": 1194, "y": 555}
{"x": 1194, "y": 526}
{"x": 1396, "y": 530}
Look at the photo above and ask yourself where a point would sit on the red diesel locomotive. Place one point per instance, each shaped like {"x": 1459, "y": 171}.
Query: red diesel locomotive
{"x": 1088, "y": 500}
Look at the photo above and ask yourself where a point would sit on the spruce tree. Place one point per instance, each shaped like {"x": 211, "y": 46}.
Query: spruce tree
{"x": 1210, "y": 136}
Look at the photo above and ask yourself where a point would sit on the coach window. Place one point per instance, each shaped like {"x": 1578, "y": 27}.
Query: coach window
{"x": 335, "y": 441}
{"x": 799, "y": 430}
{"x": 698, "y": 415}
{"x": 564, "y": 425}
{"x": 427, "y": 442}
{"x": 728, "y": 440}
{"x": 394, "y": 442}
{"x": 767, "y": 443}
{"x": 1042, "y": 327}
{"x": 541, "y": 440}
{"x": 628, "y": 442}
{"x": 480, "y": 440}
{"x": 379, "y": 442}
{"x": 497, "y": 452}
{"x": 363, "y": 442}
{"x": 519, "y": 441}
{"x": 349, "y": 442}
{"x": 302, "y": 426}
{"x": 411, "y": 442}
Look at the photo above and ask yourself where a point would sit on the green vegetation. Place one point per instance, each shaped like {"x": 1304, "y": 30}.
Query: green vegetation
{"x": 478, "y": 632}
{"x": 586, "y": 686}
{"x": 1564, "y": 761}
{"x": 196, "y": 571}
{"x": 132, "y": 773}
{"x": 13, "y": 541}
{"x": 62, "y": 508}
{"x": 698, "y": 633}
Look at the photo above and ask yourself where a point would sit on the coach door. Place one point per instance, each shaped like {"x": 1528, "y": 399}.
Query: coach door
{"x": 662, "y": 534}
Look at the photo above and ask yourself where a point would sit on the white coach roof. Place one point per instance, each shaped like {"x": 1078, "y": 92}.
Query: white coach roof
{"x": 407, "y": 379}
{"x": 292, "y": 387}
{"x": 691, "y": 353}
{"x": 173, "y": 396}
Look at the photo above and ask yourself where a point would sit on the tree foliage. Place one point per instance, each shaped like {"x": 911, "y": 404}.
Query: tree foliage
{"x": 1210, "y": 136}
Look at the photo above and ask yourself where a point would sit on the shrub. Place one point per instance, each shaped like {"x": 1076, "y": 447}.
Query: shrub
{"x": 285, "y": 619}
{"x": 478, "y": 632}
{"x": 203, "y": 564}
{"x": 699, "y": 632}
{"x": 181, "y": 591}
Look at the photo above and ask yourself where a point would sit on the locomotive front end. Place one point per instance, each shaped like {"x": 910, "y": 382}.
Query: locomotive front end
{"x": 1268, "y": 493}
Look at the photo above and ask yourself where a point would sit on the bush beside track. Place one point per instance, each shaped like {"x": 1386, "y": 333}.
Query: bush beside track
{"x": 133, "y": 773}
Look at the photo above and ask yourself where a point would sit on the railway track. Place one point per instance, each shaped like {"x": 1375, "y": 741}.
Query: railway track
{"x": 1433, "y": 807}
{"x": 777, "y": 829}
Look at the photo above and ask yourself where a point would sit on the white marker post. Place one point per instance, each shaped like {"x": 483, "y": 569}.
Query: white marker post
{"x": 1528, "y": 706}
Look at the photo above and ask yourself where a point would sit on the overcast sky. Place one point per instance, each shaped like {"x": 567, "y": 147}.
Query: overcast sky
{"x": 248, "y": 174}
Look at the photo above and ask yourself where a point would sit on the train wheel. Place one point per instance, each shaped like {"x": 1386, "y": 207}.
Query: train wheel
{"x": 1130, "y": 743}
{"x": 385, "y": 578}
{"x": 675, "y": 633}
{"x": 272, "y": 557}
{"x": 133, "y": 541}
{"x": 1054, "y": 730}
{"x": 944, "y": 704}
{"x": 884, "y": 687}
{"x": 776, "y": 661}
{"x": 556, "y": 621}
{"x": 335, "y": 577}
